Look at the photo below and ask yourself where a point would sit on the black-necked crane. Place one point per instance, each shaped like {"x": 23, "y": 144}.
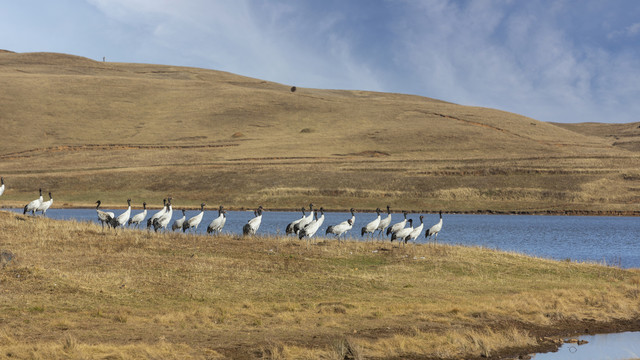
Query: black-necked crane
{"x": 32, "y": 206}
{"x": 300, "y": 234}
{"x": 139, "y": 217}
{"x": 122, "y": 219}
{"x": 353, "y": 215}
{"x": 177, "y": 224}
{"x": 416, "y": 232}
{"x": 398, "y": 226}
{"x": 342, "y": 227}
{"x": 194, "y": 221}
{"x": 434, "y": 230}
{"x": 1, "y": 186}
{"x": 290, "y": 228}
{"x": 103, "y": 216}
{"x": 163, "y": 220}
{"x": 371, "y": 227}
{"x": 313, "y": 226}
{"x": 384, "y": 223}
{"x": 252, "y": 226}
{"x": 403, "y": 233}
{"x": 45, "y": 205}
{"x": 157, "y": 214}
{"x": 218, "y": 223}
{"x": 304, "y": 221}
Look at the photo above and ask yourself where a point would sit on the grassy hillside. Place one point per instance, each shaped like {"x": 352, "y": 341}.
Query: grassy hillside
{"x": 87, "y": 130}
{"x": 626, "y": 136}
{"x": 71, "y": 291}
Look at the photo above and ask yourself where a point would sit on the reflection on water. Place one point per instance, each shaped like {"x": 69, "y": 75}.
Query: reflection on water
{"x": 605, "y": 346}
{"x": 610, "y": 240}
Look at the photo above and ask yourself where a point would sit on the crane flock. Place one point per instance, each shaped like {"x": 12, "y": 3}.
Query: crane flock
{"x": 304, "y": 227}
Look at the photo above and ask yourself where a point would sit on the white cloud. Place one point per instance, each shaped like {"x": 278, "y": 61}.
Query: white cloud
{"x": 564, "y": 62}
{"x": 270, "y": 40}
{"x": 519, "y": 59}
{"x": 633, "y": 30}
{"x": 627, "y": 32}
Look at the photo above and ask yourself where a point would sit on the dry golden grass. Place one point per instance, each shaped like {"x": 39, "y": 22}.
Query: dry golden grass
{"x": 449, "y": 344}
{"x": 73, "y": 291}
{"x": 87, "y": 130}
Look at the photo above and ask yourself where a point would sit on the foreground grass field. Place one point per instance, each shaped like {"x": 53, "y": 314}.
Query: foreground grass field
{"x": 71, "y": 291}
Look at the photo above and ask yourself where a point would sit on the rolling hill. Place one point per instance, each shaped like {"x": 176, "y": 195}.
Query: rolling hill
{"x": 85, "y": 130}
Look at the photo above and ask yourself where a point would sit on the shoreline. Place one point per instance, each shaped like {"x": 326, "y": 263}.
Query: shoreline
{"x": 550, "y": 339}
{"x": 567, "y": 212}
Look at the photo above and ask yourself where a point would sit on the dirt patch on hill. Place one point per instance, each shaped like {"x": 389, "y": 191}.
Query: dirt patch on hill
{"x": 368, "y": 153}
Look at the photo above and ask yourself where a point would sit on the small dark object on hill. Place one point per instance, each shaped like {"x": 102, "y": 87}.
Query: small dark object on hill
{"x": 5, "y": 257}
{"x": 293, "y": 89}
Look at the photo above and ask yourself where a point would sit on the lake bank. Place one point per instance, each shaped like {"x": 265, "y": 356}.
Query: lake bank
{"x": 612, "y": 346}
{"x": 607, "y": 240}
{"x": 75, "y": 290}
{"x": 569, "y": 212}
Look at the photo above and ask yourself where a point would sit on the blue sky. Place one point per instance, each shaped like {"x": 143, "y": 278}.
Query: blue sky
{"x": 555, "y": 60}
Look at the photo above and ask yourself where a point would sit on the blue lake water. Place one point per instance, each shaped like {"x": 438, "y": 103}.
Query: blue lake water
{"x": 603, "y": 346}
{"x": 602, "y": 239}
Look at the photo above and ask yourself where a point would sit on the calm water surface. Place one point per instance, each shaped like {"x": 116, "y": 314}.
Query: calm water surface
{"x": 610, "y": 240}
{"x": 604, "y": 346}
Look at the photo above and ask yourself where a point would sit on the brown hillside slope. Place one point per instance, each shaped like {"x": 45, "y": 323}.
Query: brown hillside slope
{"x": 88, "y": 130}
{"x": 626, "y": 136}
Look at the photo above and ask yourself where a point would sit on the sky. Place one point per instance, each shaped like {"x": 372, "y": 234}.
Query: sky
{"x": 552, "y": 60}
